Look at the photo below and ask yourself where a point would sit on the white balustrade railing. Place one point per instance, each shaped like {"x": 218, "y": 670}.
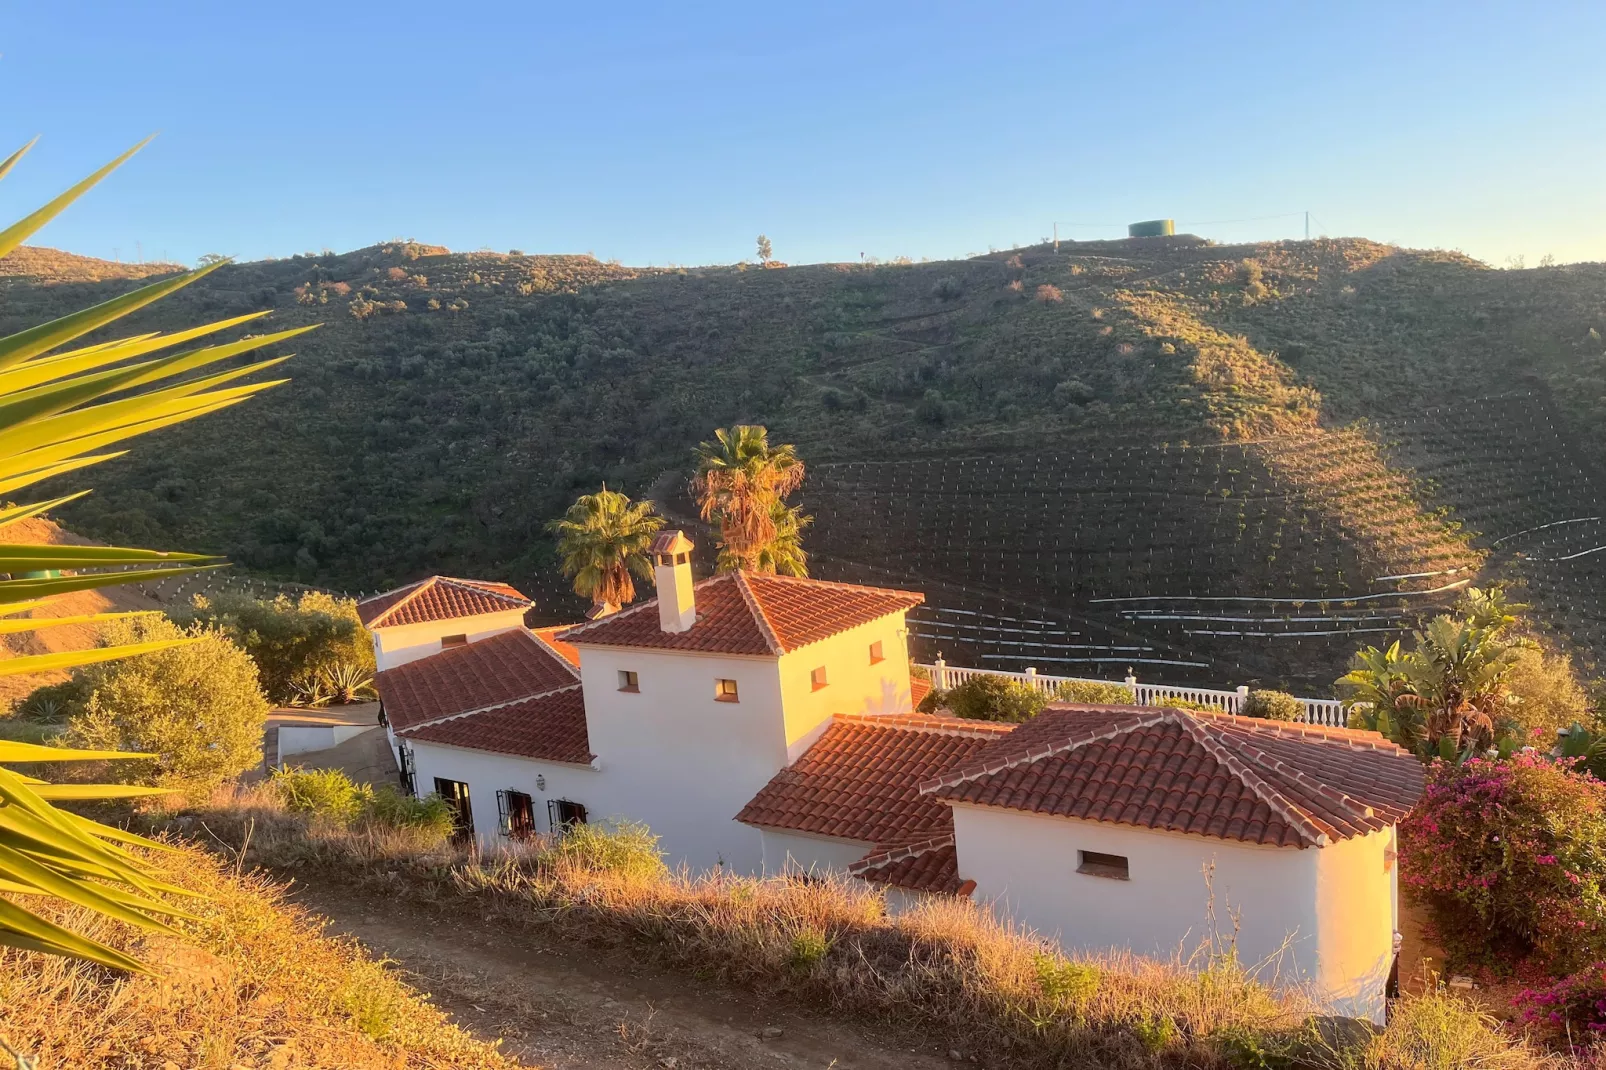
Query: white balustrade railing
{"x": 1324, "y": 711}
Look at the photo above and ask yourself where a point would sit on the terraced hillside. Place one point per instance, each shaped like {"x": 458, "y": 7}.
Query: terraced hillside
{"x": 1205, "y": 462}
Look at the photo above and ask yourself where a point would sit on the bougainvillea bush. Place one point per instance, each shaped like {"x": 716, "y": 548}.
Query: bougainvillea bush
{"x": 1574, "y": 1007}
{"x": 1509, "y": 859}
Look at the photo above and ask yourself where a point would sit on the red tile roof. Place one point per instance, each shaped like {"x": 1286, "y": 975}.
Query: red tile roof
{"x": 751, "y": 613}
{"x": 549, "y": 636}
{"x": 1219, "y": 775}
{"x": 928, "y": 866}
{"x": 918, "y": 690}
{"x": 499, "y": 669}
{"x": 860, "y": 780}
{"x": 439, "y": 598}
{"x": 550, "y": 726}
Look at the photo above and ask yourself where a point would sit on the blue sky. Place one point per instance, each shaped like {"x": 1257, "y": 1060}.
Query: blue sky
{"x": 676, "y": 133}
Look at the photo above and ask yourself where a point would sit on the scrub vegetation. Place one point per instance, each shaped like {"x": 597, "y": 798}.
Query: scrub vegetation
{"x": 947, "y": 966}
{"x": 1303, "y": 422}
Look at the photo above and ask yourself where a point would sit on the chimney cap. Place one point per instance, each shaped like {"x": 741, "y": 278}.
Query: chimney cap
{"x": 673, "y": 541}
{"x": 600, "y": 609}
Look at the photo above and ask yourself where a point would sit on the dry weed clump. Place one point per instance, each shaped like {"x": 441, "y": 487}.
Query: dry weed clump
{"x": 254, "y": 983}
{"x": 948, "y": 965}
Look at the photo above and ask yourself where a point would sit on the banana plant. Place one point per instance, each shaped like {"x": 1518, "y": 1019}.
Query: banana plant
{"x": 63, "y": 402}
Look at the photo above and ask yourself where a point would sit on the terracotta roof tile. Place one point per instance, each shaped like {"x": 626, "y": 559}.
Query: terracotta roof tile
{"x": 1208, "y": 774}
{"x": 860, "y": 780}
{"x": 929, "y": 866}
{"x": 550, "y": 726}
{"x": 918, "y": 690}
{"x": 493, "y": 671}
{"x": 751, "y": 613}
{"x": 439, "y": 598}
{"x": 549, "y": 636}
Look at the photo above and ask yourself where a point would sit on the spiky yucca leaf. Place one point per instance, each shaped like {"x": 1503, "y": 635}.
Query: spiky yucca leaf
{"x": 59, "y": 410}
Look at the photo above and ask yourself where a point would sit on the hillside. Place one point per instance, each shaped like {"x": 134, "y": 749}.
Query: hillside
{"x": 1211, "y": 462}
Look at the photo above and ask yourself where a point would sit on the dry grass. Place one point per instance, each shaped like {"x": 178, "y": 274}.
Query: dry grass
{"x": 947, "y": 966}
{"x": 254, "y": 984}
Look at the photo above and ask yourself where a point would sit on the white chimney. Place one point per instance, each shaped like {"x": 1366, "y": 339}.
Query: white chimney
{"x": 671, "y": 571}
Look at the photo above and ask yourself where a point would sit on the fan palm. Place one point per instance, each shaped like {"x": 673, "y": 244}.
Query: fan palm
{"x": 59, "y": 410}
{"x": 784, "y": 553}
{"x": 740, "y": 482}
{"x": 602, "y": 539}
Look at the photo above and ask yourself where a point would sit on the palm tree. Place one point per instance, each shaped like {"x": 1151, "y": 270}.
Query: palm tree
{"x": 741, "y": 481}
{"x": 602, "y": 539}
{"x": 784, "y": 553}
{"x": 59, "y": 410}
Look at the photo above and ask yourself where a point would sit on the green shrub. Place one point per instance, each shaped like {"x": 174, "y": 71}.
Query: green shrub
{"x": 431, "y": 815}
{"x": 1273, "y": 706}
{"x": 1094, "y": 693}
{"x": 626, "y": 848}
{"x": 809, "y": 947}
{"x": 197, "y": 707}
{"x": 290, "y": 640}
{"x": 326, "y": 793}
{"x": 1184, "y": 704}
{"x": 332, "y": 795}
{"x": 995, "y": 698}
{"x": 1064, "y": 981}
{"x": 1509, "y": 857}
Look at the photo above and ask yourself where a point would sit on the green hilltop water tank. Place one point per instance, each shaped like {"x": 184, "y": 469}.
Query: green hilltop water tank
{"x": 1152, "y": 228}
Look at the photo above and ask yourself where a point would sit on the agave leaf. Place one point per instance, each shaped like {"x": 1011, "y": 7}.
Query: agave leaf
{"x": 26, "y": 930}
{"x": 85, "y": 421}
{"x": 11, "y": 161}
{"x": 71, "y": 659}
{"x": 117, "y": 835}
{"x": 73, "y": 447}
{"x": 19, "y": 232}
{"x": 23, "y": 512}
{"x": 18, "y": 866}
{"x": 79, "y": 792}
{"x": 16, "y": 626}
{"x": 23, "y": 607}
{"x": 28, "y": 344}
{"x": 66, "y": 555}
{"x": 16, "y": 751}
{"x": 34, "y": 475}
{"x": 57, "y": 365}
{"x": 17, "y": 590}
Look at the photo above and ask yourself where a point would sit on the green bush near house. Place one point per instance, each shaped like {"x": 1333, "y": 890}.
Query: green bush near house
{"x": 197, "y": 707}
{"x": 624, "y": 849}
{"x": 1273, "y": 706}
{"x": 291, "y": 640}
{"x": 1095, "y": 693}
{"x": 995, "y": 698}
{"x": 333, "y": 796}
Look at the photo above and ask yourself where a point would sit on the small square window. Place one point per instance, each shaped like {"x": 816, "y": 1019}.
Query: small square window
{"x": 725, "y": 691}
{"x": 449, "y": 641}
{"x": 817, "y": 678}
{"x": 1098, "y": 864}
{"x": 876, "y": 654}
{"x": 628, "y": 681}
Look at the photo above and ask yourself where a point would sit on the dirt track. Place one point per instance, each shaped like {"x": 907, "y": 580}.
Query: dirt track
{"x": 578, "y": 1008}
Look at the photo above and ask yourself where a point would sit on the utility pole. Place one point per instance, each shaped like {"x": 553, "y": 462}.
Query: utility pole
{"x": 1307, "y": 225}
{"x": 1056, "y": 237}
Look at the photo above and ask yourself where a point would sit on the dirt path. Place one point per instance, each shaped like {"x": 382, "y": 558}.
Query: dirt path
{"x": 578, "y": 1008}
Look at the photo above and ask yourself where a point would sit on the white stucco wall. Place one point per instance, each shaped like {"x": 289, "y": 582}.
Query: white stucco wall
{"x": 799, "y": 852}
{"x": 1356, "y": 915}
{"x": 401, "y": 643}
{"x": 486, "y": 774}
{"x": 674, "y": 757}
{"x": 1323, "y": 916}
{"x": 1027, "y": 865}
{"x": 853, "y": 684}
{"x": 305, "y": 738}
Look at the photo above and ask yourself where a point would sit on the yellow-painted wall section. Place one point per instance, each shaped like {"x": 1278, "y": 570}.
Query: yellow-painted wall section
{"x": 1355, "y": 918}
{"x": 853, "y": 684}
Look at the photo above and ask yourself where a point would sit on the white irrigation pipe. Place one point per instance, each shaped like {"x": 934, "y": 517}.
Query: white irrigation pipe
{"x": 1285, "y": 635}
{"x": 1117, "y": 661}
{"x": 1542, "y": 527}
{"x": 1419, "y": 575}
{"x": 1245, "y": 598}
{"x": 1569, "y": 557}
{"x": 1144, "y": 615}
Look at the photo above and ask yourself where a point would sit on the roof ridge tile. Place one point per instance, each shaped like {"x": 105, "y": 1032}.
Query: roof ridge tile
{"x": 759, "y": 616}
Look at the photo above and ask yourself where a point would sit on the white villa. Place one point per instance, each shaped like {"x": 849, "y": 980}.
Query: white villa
{"x": 764, "y": 723}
